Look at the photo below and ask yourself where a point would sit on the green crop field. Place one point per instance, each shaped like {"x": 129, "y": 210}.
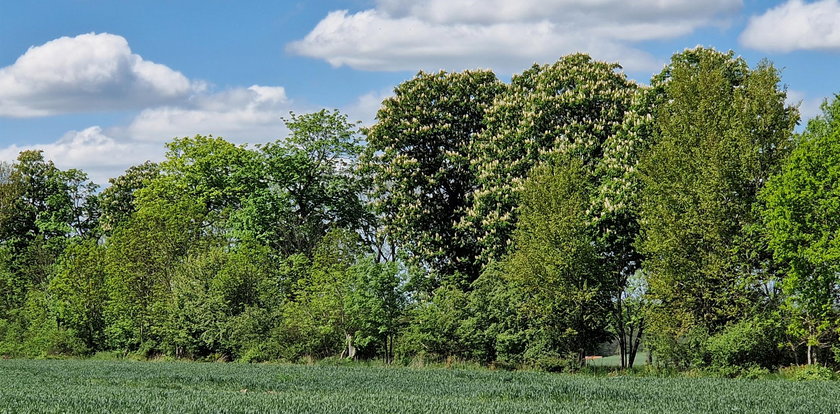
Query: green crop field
{"x": 149, "y": 387}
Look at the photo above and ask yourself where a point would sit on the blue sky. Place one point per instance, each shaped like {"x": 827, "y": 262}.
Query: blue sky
{"x": 102, "y": 85}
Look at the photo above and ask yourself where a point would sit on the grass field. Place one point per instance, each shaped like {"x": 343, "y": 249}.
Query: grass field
{"x": 74, "y": 386}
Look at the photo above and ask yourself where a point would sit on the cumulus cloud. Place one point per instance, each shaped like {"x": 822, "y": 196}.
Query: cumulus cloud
{"x": 88, "y": 72}
{"x": 502, "y": 34}
{"x": 243, "y": 115}
{"x": 795, "y": 25}
{"x": 252, "y": 114}
{"x": 91, "y": 150}
{"x": 364, "y": 108}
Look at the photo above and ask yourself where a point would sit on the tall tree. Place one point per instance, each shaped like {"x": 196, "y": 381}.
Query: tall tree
{"x": 802, "y": 225}
{"x": 569, "y": 107}
{"x": 419, "y": 152}
{"x": 720, "y": 130}
{"x": 554, "y": 261}
{"x": 615, "y": 218}
{"x": 118, "y": 200}
{"x": 580, "y": 108}
{"x": 78, "y": 292}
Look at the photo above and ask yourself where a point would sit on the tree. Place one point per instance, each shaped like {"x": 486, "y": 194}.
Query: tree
{"x": 802, "y": 224}
{"x": 141, "y": 259}
{"x": 575, "y": 107}
{"x": 720, "y": 131}
{"x": 42, "y": 209}
{"x": 78, "y": 292}
{"x": 118, "y": 200}
{"x": 615, "y": 211}
{"x": 419, "y": 154}
{"x": 307, "y": 185}
{"x": 377, "y": 301}
{"x": 318, "y": 322}
{"x": 554, "y": 261}
{"x": 570, "y": 107}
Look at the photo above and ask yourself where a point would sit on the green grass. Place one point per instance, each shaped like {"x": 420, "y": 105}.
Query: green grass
{"x": 74, "y": 386}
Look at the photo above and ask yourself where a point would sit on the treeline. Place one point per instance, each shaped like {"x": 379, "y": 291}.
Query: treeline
{"x": 523, "y": 224}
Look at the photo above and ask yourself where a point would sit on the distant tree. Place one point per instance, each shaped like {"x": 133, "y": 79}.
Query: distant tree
{"x": 141, "y": 260}
{"x": 570, "y": 107}
{"x": 802, "y": 226}
{"x": 78, "y": 294}
{"x": 377, "y": 302}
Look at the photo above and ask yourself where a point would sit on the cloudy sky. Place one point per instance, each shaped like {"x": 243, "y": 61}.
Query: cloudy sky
{"x": 101, "y": 85}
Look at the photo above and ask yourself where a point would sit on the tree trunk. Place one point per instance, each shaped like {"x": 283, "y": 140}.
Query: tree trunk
{"x": 620, "y": 330}
{"x": 809, "y": 354}
{"x": 634, "y": 348}
{"x": 351, "y": 350}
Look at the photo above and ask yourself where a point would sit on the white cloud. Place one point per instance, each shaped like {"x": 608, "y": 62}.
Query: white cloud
{"x": 809, "y": 107}
{"x": 364, "y": 108}
{"x": 242, "y": 115}
{"x": 251, "y": 114}
{"x": 88, "y": 72}
{"x": 505, "y": 35}
{"x": 92, "y": 151}
{"x": 795, "y": 25}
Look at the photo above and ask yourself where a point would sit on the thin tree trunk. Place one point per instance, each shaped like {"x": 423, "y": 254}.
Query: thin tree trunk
{"x": 636, "y": 343}
{"x": 350, "y": 350}
{"x": 809, "y": 354}
{"x": 621, "y": 328}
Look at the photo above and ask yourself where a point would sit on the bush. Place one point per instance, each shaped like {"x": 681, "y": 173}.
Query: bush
{"x": 260, "y": 353}
{"x": 807, "y": 373}
{"x": 556, "y": 363}
{"x": 746, "y": 344}
{"x": 732, "y": 371}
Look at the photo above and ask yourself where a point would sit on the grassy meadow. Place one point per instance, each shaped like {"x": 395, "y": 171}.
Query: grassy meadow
{"x": 89, "y": 386}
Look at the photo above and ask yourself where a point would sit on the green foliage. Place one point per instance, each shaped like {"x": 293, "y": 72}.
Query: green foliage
{"x": 555, "y": 263}
{"x": 748, "y": 343}
{"x": 802, "y": 223}
{"x": 307, "y": 185}
{"x": 140, "y": 261}
{"x": 570, "y": 107}
{"x": 118, "y": 200}
{"x": 807, "y": 373}
{"x": 419, "y": 154}
{"x": 720, "y": 131}
{"x": 78, "y": 292}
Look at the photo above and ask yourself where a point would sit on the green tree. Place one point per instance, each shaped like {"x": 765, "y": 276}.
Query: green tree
{"x": 318, "y": 322}
{"x": 802, "y": 227}
{"x": 377, "y": 302}
{"x": 141, "y": 259}
{"x": 569, "y": 107}
{"x": 77, "y": 292}
{"x": 554, "y": 261}
{"x": 419, "y": 154}
{"x": 118, "y": 200}
{"x": 308, "y": 185}
{"x": 720, "y": 131}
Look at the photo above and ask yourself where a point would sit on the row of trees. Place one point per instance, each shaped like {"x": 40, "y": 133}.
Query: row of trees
{"x": 522, "y": 223}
